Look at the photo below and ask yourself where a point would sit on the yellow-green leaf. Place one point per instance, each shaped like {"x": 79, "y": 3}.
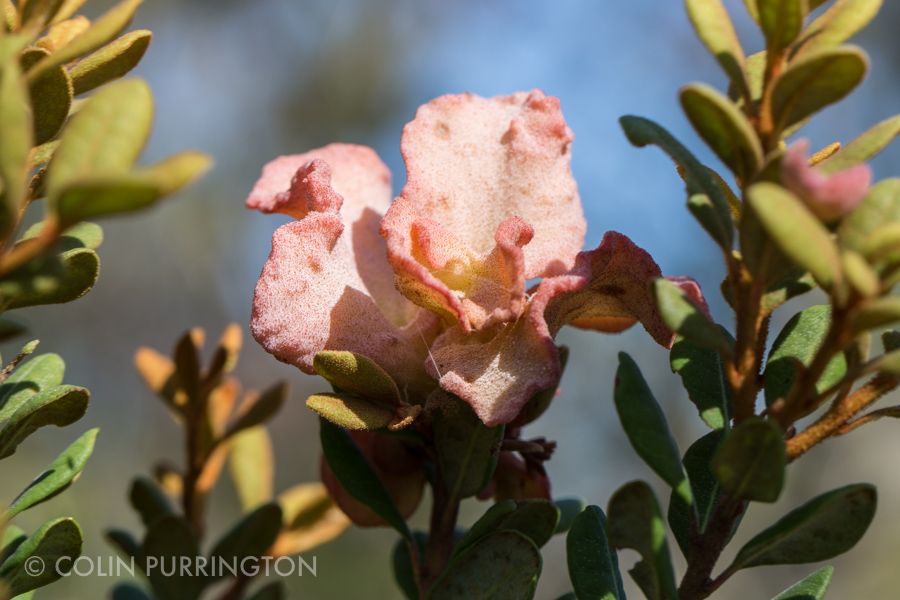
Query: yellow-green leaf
{"x": 864, "y": 147}
{"x": 815, "y": 81}
{"x": 879, "y": 312}
{"x": 52, "y": 280}
{"x": 51, "y": 97}
{"x": 838, "y": 24}
{"x": 725, "y": 128}
{"x": 15, "y": 131}
{"x": 350, "y": 412}
{"x": 860, "y": 275}
{"x": 796, "y": 232}
{"x": 715, "y": 30}
{"x": 250, "y": 462}
{"x": 781, "y": 21}
{"x": 104, "y": 29}
{"x": 67, "y": 9}
{"x": 105, "y": 137}
{"x": 357, "y": 374}
{"x": 110, "y": 62}
{"x": 171, "y": 174}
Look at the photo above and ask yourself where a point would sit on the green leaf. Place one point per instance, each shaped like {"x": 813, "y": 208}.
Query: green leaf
{"x": 838, "y": 24}
{"x": 714, "y": 28}
{"x": 104, "y": 29}
{"x": 251, "y": 464}
{"x": 535, "y": 519}
{"x": 357, "y": 374}
{"x": 684, "y": 517}
{"x": 781, "y": 21}
{"x": 880, "y": 207}
{"x": 796, "y": 231}
{"x": 883, "y": 245}
{"x": 57, "y": 544}
{"x": 467, "y": 449}
{"x": 724, "y": 128}
{"x": 876, "y": 313}
{"x": 169, "y": 541}
{"x": 60, "y": 406}
{"x": 82, "y": 235}
{"x": 815, "y": 81}
{"x": 61, "y": 473}
{"x": 149, "y": 500}
{"x": 261, "y": 410}
{"x": 863, "y": 148}
{"x": 476, "y": 574}
{"x": 356, "y": 476}
{"x": 823, "y": 528}
{"x": 51, "y": 280}
{"x": 751, "y": 461}
{"x": 67, "y": 8}
{"x": 569, "y": 508}
{"x": 812, "y": 587}
{"x": 175, "y": 172}
{"x": 105, "y": 137}
{"x": 16, "y": 131}
{"x": 96, "y": 196}
{"x": 794, "y": 349}
{"x": 253, "y": 535}
{"x": 51, "y": 97}
{"x": 350, "y": 412}
{"x": 717, "y": 222}
{"x": 593, "y": 565}
{"x": 703, "y": 375}
{"x": 41, "y": 372}
{"x": 683, "y": 316}
{"x": 860, "y": 275}
{"x": 36, "y": 14}
{"x": 110, "y": 62}
{"x": 645, "y": 425}
{"x": 634, "y": 522}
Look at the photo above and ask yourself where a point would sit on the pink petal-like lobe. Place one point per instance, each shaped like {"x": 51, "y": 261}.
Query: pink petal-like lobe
{"x": 326, "y": 284}
{"x": 473, "y": 165}
{"x": 609, "y": 289}
{"x": 829, "y": 197}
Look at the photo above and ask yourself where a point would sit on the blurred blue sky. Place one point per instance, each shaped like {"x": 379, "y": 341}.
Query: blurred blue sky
{"x": 248, "y": 80}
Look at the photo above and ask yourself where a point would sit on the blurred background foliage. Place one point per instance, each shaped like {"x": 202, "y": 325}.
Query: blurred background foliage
{"x": 246, "y": 80}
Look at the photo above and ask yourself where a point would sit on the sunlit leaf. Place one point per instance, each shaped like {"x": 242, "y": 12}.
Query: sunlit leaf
{"x": 725, "y": 128}
{"x": 110, "y": 62}
{"x": 61, "y": 473}
{"x": 815, "y": 81}
{"x": 796, "y": 231}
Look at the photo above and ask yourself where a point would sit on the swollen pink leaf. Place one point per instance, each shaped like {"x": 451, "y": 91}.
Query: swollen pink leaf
{"x": 829, "y": 197}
